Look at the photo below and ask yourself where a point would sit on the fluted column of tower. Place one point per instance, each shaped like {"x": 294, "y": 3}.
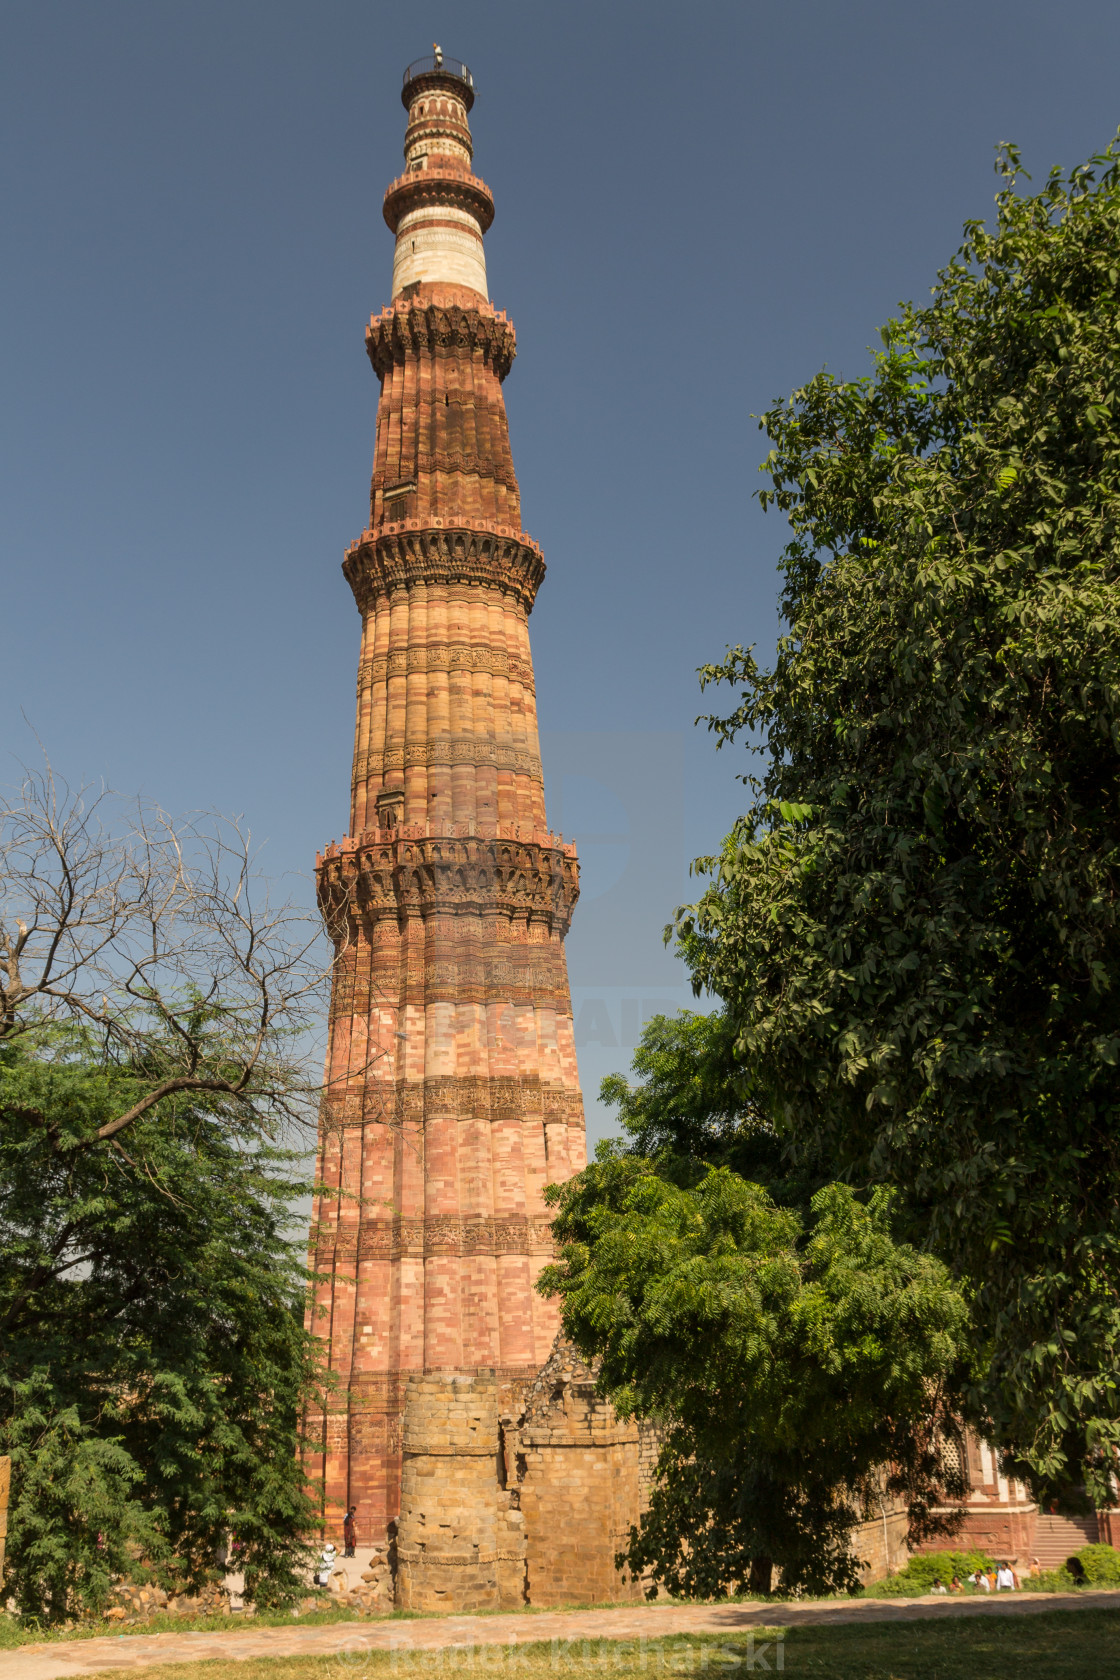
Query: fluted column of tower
{"x": 453, "y": 1096}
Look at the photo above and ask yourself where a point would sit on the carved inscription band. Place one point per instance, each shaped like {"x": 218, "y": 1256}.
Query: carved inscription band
{"x": 464, "y": 460}
{"x": 494, "y": 1098}
{"x": 446, "y": 657}
{"x": 450, "y": 749}
{"x": 433, "y": 1235}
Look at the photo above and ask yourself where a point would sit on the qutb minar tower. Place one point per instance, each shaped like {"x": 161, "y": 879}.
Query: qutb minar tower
{"x": 454, "y": 1094}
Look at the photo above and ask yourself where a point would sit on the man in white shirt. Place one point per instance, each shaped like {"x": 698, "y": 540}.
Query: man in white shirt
{"x": 1005, "y": 1578}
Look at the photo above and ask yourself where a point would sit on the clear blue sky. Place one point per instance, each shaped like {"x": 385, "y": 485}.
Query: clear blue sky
{"x": 697, "y": 206}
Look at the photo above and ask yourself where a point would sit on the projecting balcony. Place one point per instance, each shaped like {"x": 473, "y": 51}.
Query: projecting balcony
{"x": 438, "y": 64}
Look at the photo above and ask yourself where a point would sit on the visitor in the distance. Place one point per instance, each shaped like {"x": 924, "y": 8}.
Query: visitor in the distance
{"x": 326, "y": 1565}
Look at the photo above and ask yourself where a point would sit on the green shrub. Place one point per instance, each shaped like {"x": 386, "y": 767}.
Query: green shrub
{"x": 1101, "y": 1565}
{"x": 925, "y": 1568}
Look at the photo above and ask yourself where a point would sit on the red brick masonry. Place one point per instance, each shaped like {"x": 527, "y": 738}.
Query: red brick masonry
{"x": 453, "y": 1093}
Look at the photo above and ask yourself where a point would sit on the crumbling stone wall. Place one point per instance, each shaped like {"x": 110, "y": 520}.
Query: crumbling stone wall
{"x": 580, "y": 1486}
{"x": 509, "y": 1499}
{"x": 460, "y": 1545}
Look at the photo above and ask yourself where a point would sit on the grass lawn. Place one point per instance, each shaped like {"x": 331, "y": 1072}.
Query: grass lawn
{"x": 14, "y": 1633}
{"x": 1056, "y": 1645}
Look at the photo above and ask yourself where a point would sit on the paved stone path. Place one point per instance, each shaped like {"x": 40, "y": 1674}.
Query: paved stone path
{"x": 347, "y": 1640}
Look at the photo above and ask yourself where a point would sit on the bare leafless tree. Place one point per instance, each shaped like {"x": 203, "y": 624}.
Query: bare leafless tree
{"x": 160, "y": 941}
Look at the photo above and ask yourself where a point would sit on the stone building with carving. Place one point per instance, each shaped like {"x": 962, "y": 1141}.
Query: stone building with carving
{"x": 457, "y": 1425}
{"x": 998, "y": 1514}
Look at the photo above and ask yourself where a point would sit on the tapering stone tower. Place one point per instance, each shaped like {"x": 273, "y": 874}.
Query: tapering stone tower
{"x": 454, "y": 1095}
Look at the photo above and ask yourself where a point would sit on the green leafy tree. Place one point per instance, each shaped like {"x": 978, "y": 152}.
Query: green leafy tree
{"x": 802, "y": 1364}
{"x": 154, "y": 1365}
{"x": 914, "y": 929}
{"x": 690, "y": 1108}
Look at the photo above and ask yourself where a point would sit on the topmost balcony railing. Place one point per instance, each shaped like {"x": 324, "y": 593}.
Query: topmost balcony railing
{"x": 441, "y": 62}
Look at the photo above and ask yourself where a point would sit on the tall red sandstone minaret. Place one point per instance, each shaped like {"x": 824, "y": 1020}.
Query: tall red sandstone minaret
{"x": 452, "y": 1068}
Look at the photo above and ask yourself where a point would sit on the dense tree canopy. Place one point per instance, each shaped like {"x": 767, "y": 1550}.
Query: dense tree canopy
{"x": 914, "y": 928}
{"x": 790, "y": 1355}
{"x": 690, "y": 1107}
